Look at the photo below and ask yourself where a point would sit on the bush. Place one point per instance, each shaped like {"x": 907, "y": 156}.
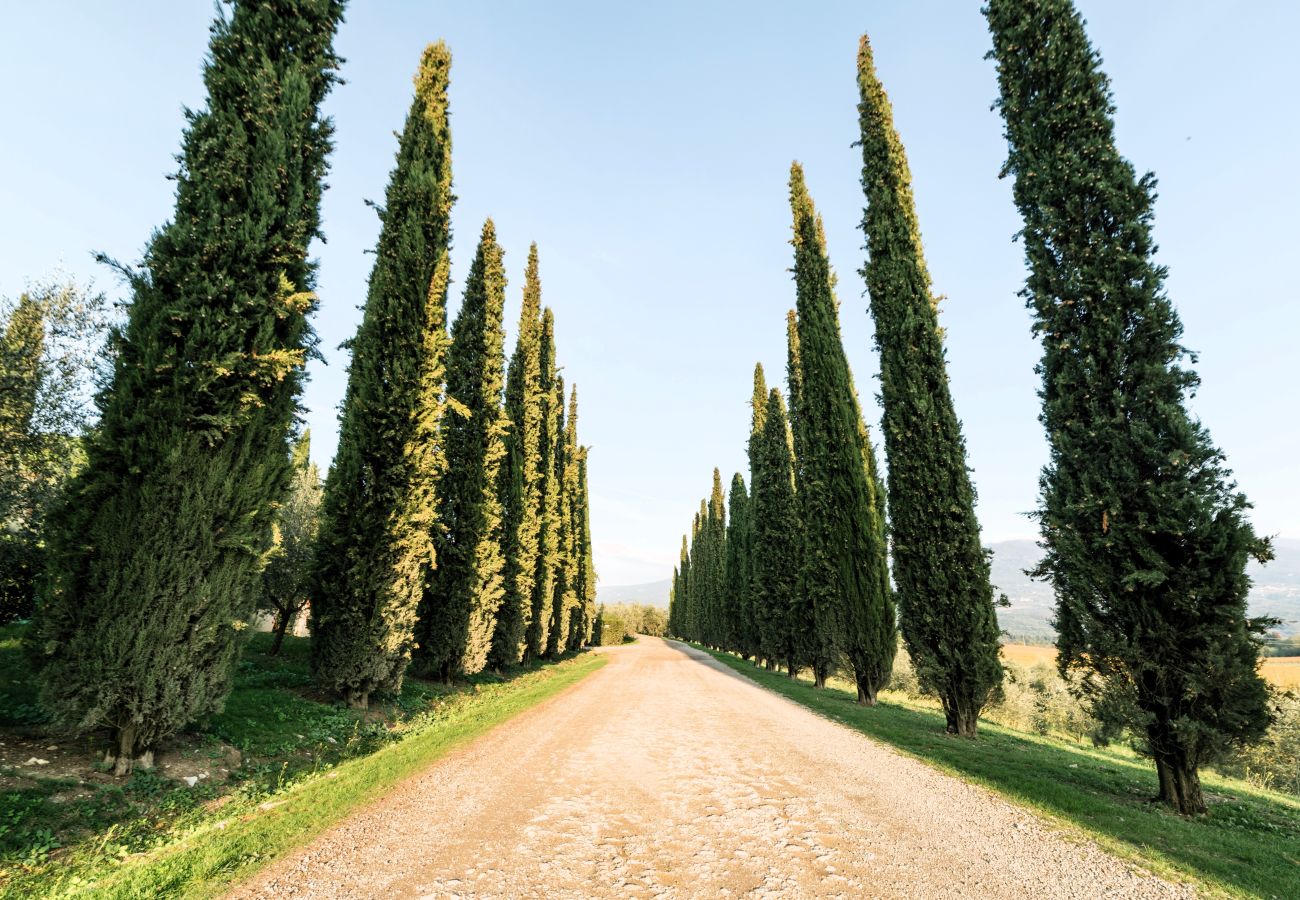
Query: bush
{"x": 617, "y": 623}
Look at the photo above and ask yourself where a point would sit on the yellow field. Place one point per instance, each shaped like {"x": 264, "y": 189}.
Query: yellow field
{"x": 1283, "y": 671}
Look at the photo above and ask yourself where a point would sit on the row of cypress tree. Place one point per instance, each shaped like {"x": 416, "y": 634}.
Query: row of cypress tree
{"x": 1145, "y": 533}
{"x": 454, "y": 526}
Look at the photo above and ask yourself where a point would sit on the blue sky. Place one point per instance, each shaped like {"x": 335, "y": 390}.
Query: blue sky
{"x": 646, "y": 147}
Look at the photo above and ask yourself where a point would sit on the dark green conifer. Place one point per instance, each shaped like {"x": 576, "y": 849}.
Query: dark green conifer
{"x": 521, "y": 478}
{"x": 945, "y": 600}
{"x": 843, "y": 568}
{"x": 548, "y": 542}
{"x": 565, "y": 598}
{"x": 715, "y": 629}
{"x": 586, "y": 587}
{"x": 737, "y": 610}
{"x": 463, "y": 593}
{"x": 1146, "y": 535}
{"x": 809, "y": 648}
{"x": 776, "y": 535}
{"x": 154, "y": 562}
{"x": 376, "y": 546}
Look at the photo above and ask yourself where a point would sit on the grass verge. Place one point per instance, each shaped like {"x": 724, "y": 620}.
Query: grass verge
{"x": 301, "y": 766}
{"x": 1247, "y": 846}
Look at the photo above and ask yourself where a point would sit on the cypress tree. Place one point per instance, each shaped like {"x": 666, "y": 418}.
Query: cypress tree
{"x": 572, "y": 488}
{"x": 776, "y": 535}
{"x": 539, "y": 628}
{"x": 681, "y": 598}
{"x": 586, "y": 589}
{"x": 563, "y": 597}
{"x": 843, "y": 567}
{"x": 375, "y": 546}
{"x": 737, "y": 610}
{"x": 521, "y": 481}
{"x": 945, "y": 600}
{"x": 462, "y": 594}
{"x": 700, "y": 568}
{"x": 154, "y": 562}
{"x": 808, "y": 648}
{"x": 1146, "y": 535}
{"x": 758, "y": 412}
{"x": 715, "y": 611}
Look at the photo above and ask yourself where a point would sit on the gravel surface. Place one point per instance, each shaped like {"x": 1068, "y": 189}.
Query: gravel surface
{"x": 665, "y": 774}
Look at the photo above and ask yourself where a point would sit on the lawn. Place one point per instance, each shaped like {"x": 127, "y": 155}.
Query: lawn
{"x": 1248, "y": 845}
{"x": 275, "y": 768}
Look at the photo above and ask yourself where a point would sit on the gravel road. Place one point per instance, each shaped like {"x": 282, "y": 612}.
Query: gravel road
{"x": 664, "y": 774}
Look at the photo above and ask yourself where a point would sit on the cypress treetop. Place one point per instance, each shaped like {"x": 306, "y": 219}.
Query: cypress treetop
{"x": 376, "y": 539}
{"x": 945, "y": 601}
{"x": 154, "y": 562}
{"x": 1146, "y": 535}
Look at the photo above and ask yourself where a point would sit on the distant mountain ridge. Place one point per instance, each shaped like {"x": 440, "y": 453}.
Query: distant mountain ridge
{"x": 654, "y": 593}
{"x": 1276, "y": 591}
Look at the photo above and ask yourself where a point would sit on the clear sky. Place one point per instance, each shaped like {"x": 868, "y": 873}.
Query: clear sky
{"x": 645, "y": 147}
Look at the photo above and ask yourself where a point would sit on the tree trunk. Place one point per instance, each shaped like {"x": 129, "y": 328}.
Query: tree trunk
{"x": 866, "y": 691}
{"x": 281, "y": 626}
{"x": 128, "y": 756}
{"x": 819, "y": 677}
{"x": 356, "y": 699}
{"x": 791, "y": 670}
{"x": 961, "y": 715}
{"x": 1180, "y": 782}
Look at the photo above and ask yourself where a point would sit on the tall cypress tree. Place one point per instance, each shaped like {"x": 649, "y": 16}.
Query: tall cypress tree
{"x": 562, "y": 594}
{"x": 552, "y": 401}
{"x": 572, "y": 602}
{"x": 521, "y": 481}
{"x": 700, "y": 569}
{"x": 776, "y": 536}
{"x": 715, "y": 611}
{"x": 681, "y": 598}
{"x": 1146, "y": 536}
{"x": 843, "y": 567}
{"x": 154, "y": 561}
{"x": 758, "y": 412}
{"x": 809, "y": 648}
{"x": 586, "y": 588}
{"x": 737, "y": 610}
{"x": 945, "y": 600}
{"x": 375, "y": 546}
{"x": 462, "y": 595}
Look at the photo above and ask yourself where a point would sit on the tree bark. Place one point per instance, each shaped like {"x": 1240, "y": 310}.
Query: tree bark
{"x": 961, "y": 715}
{"x": 1180, "y": 782}
{"x": 866, "y": 690}
{"x": 819, "y": 677}
{"x": 357, "y": 699}
{"x": 281, "y": 626}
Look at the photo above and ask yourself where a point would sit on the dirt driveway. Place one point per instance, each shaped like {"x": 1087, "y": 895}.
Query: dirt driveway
{"x": 666, "y": 775}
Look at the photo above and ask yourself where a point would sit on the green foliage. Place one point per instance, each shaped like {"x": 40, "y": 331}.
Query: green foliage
{"x": 620, "y": 623}
{"x": 843, "y": 570}
{"x": 1146, "y": 535}
{"x": 291, "y": 564}
{"x": 776, "y": 537}
{"x": 945, "y": 601}
{"x": 464, "y": 592}
{"x": 155, "y": 558}
{"x": 376, "y": 539}
{"x": 51, "y": 349}
{"x": 521, "y": 478}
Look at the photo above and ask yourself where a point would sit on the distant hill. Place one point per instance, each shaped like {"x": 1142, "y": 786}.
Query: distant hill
{"x": 655, "y": 593}
{"x": 1276, "y": 591}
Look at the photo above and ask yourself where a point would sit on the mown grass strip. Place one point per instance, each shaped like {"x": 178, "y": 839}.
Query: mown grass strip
{"x": 236, "y": 846}
{"x": 1248, "y": 845}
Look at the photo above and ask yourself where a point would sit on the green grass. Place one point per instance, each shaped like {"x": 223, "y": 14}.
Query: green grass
{"x": 1248, "y": 845}
{"x": 301, "y": 766}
